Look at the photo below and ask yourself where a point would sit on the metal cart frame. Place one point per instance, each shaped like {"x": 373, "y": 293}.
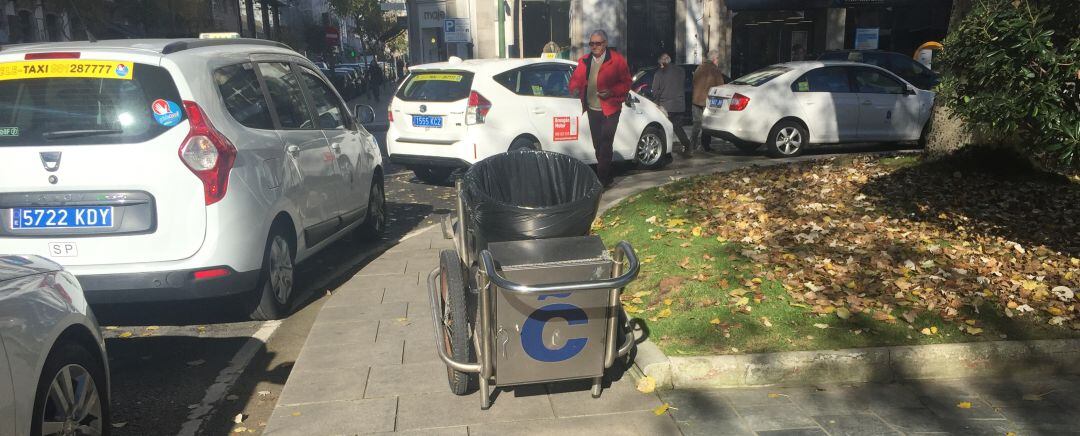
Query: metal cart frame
{"x": 489, "y": 280}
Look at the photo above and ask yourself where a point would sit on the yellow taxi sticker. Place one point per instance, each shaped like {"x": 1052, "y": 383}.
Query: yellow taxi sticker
{"x": 440, "y": 77}
{"x": 66, "y": 69}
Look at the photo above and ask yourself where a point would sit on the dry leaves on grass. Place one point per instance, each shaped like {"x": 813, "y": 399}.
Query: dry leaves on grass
{"x": 862, "y": 237}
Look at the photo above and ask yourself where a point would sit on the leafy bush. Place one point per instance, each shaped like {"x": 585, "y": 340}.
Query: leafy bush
{"x": 1014, "y": 67}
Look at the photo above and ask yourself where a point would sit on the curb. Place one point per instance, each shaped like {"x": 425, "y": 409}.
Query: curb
{"x": 859, "y": 365}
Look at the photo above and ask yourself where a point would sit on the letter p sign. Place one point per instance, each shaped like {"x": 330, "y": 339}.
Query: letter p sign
{"x": 532, "y": 332}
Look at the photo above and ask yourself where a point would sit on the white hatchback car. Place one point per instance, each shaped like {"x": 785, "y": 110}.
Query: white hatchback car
{"x": 450, "y": 115}
{"x": 792, "y": 105}
{"x": 54, "y": 373}
{"x": 163, "y": 170}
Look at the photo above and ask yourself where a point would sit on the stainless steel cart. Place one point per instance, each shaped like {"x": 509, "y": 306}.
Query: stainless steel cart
{"x": 530, "y": 311}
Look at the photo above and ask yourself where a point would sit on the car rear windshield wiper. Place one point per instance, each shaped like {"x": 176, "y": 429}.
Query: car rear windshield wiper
{"x": 61, "y": 134}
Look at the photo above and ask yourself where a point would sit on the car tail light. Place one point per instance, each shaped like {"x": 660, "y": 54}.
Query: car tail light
{"x": 390, "y": 115}
{"x": 210, "y": 273}
{"x": 478, "y": 108}
{"x": 52, "y": 55}
{"x": 207, "y": 153}
{"x": 738, "y": 102}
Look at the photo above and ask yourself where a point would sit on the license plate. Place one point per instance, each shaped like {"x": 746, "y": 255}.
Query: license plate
{"x": 427, "y": 121}
{"x": 61, "y": 217}
{"x": 716, "y": 101}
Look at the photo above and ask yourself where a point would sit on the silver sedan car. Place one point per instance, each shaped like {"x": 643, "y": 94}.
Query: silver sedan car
{"x": 54, "y": 374}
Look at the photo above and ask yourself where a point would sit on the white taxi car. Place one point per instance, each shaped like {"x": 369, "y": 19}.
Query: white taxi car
{"x": 452, "y": 114}
{"x": 792, "y": 105}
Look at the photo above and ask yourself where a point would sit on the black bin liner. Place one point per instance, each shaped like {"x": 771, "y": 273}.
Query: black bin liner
{"x": 529, "y": 194}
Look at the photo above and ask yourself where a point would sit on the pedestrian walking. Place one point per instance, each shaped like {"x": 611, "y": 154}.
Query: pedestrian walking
{"x": 602, "y": 81}
{"x": 670, "y": 94}
{"x": 377, "y": 79}
{"x": 707, "y": 75}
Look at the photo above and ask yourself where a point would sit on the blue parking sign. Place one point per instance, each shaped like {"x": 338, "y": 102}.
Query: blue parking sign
{"x": 448, "y": 26}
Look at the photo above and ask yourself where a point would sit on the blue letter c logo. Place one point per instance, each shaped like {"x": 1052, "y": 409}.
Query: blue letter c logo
{"x": 532, "y": 332}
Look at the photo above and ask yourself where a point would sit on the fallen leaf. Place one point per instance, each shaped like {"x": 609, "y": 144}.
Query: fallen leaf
{"x": 742, "y": 301}
{"x": 125, "y": 335}
{"x": 239, "y": 418}
{"x": 296, "y": 414}
{"x": 696, "y": 231}
{"x": 240, "y": 430}
{"x": 196, "y": 362}
{"x": 926, "y": 331}
{"x": 964, "y": 405}
{"x": 661, "y": 409}
{"x": 646, "y": 385}
{"x": 766, "y": 322}
{"x": 667, "y": 301}
{"x": 821, "y": 326}
{"x": 715, "y": 321}
{"x": 152, "y": 328}
{"x": 664, "y": 313}
{"x": 263, "y": 393}
{"x": 119, "y": 424}
{"x": 843, "y": 313}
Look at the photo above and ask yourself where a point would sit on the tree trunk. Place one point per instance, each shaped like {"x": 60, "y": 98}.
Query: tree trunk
{"x": 947, "y": 132}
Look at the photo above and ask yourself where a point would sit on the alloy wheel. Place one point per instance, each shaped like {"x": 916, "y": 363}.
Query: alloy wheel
{"x": 72, "y": 404}
{"x": 281, "y": 270}
{"x": 650, "y": 149}
{"x": 788, "y": 140}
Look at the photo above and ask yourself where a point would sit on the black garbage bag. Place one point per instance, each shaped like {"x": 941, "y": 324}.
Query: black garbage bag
{"x": 529, "y": 194}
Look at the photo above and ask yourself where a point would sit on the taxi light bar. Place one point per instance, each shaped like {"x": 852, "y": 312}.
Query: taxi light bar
{"x": 210, "y": 273}
{"x": 52, "y": 55}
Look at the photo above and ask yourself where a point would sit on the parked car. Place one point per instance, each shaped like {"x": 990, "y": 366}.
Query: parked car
{"x": 790, "y": 106}
{"x": 54, "y": 373}
{"x": 353, "y": 81}
{"x": 452, "y": 114}
{"x": 643, "y": 84}
{"x": 163, "y": 170}
{"x": 907, "y": 68}
{"x": 340, "y": 81}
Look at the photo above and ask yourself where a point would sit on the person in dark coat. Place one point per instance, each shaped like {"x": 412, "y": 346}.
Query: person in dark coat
{"x": 602, "y": 82}
{"x": 668, "y": 89}
{"x": 377, "y": 79}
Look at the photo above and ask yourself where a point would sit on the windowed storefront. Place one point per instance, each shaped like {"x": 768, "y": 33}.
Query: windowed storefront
{"x": 761, "y": 38}
{"x": 545, "y": 21}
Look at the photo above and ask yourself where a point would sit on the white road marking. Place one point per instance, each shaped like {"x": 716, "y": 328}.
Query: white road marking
{"x": 227, "y": 377}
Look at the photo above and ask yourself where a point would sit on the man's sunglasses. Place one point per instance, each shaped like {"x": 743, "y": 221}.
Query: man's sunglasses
{"x": 596, "y": 43}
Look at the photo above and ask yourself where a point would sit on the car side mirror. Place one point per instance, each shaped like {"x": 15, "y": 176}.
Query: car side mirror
{"x": 631, "y": 101}
{"x": 910, "y": 90}
{"x": 365, "y": 114}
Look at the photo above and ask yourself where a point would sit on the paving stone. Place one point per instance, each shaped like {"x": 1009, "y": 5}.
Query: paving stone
{"x": 699, "y": 406}
{"x": 354, "y": 297}
{"x": 630, "y": 423}
{"x": 794, "y": 432}
{"x": 360, "y": 313}
{"x": 862, "y": 424}
{"x": 422, "y": 264}
{"x": 445, "y": 431}
{"x": 574, "y": 398}
{"x": 914, "y": 420}
{"x": 407, "y": 294}
{"x": 446, "y": 409}
{"x": 343, "y": 333}
{"x": 311, "y": 386}
{"x": 728, "y": 427}
{"x": 333, "y": 418}
{"x": 350, "y": 357}
{"x": 420, "y": 349}
{"x": 760, "y": 418}
{"x": 416, "y": 378}
{"x": 386, "y": 265}
{"x": 403, "y": 328}
{"x": 947, "y": 405}
{"x": 754, "y": 397}
{"x": 844, "y": 399}
{"x": 378, "y": 282}
{"x": 1043, "y": 418}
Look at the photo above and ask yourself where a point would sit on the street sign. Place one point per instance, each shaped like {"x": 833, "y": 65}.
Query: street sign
{"x": 456, "y": 30}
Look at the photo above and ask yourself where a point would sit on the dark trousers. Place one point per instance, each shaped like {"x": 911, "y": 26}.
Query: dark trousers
{"x": 603, "y": 135}
{"x": 677, "y": 120}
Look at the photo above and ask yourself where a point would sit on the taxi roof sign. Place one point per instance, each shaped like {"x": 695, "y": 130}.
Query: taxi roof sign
{"x": 219, "y": 35}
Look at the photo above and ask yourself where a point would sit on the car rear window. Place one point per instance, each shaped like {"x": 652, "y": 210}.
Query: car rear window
{"x": 90, "y": 102}
{"x": 436, "y": 86}
{"x": 762, "y": 76}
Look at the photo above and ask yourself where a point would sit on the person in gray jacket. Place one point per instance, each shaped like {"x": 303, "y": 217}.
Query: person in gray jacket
{"x": 668, "y": 88}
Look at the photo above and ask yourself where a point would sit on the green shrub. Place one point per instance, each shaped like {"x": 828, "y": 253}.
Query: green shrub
{"x": 1014, "y": 67}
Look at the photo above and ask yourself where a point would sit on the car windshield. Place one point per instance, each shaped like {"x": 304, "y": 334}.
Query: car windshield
{"x": 759, "y": 77}
{"x": 436, "y": 86}
{"x": 103, "y": 102}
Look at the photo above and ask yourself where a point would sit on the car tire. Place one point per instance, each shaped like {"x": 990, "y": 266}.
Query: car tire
{"x": 456, "y": 341}
{"x": 71, "y": 366}
{"x": 525, "y": 143}
{"x": 374, "y": 225}
{"x": 275, "y": 287}
{"x": 745, "y": 146}
{"x": 433, "y": 175}
{"x": 787, "y": 139}
{"x": 924, "y": 137}
{"x": 650, "y": 152}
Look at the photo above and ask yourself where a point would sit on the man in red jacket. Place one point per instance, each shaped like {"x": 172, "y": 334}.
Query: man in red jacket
{"x": 602, "y": 80}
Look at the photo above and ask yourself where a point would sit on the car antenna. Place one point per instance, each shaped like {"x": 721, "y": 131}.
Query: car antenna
{"x": 89, "y": 36}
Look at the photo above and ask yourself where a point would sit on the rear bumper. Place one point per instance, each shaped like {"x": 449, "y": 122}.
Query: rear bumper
{"x": 162, "y": 286}
{"x": 735, "y": 126}
{"x": 408, "y": 160}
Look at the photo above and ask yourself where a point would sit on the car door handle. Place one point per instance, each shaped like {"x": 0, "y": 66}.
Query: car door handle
{"x": 292, "y": 149}
{"x": 867, "y": 103}
{"x": 539, "y": 111}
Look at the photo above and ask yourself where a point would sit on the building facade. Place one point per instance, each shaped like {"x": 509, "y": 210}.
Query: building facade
{"x": 749, "y": 34}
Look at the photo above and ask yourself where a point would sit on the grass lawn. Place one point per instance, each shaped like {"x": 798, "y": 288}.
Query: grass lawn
{"x": 853, "y": 252}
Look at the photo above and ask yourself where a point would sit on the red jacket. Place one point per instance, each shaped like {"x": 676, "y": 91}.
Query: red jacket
{"x": 614, "y": 76}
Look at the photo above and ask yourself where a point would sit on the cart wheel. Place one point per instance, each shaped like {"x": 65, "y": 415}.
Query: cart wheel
{"x": 455, "y": 321}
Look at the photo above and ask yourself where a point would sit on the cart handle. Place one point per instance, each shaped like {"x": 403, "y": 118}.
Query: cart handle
{"x": 623, "y": 248}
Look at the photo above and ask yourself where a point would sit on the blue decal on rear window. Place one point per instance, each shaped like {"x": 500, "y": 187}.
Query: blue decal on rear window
{"x": 166, "y": 112}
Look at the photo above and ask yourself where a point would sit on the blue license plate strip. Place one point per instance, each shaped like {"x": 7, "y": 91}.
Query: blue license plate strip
{"x": 716, "y": 101}
{"x": 61, "y": 217}
{"x": 427, "y": 121}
